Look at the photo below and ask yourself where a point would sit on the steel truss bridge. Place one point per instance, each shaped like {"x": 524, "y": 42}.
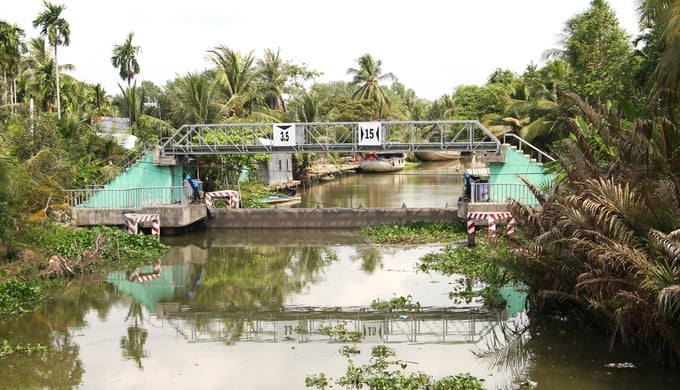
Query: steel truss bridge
{"x": 330, "y": 137}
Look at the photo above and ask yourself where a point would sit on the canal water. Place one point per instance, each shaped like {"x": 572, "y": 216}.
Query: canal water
{"x": 431, "y": 184}
{"x": 263, "y": 309}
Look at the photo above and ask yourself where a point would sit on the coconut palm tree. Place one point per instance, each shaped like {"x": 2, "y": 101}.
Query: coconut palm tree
{"x": 99, "y": 100}
{"x": 367, "y": 78}
{"x": 307, "y": 107}
{"x": 125, "y": 59}
{"x": 40, "y": 74}
{"x": 273, "y": 75}
{"x": 11, "y": 49}
{"x": 236, "y": 75}
{"x": 58, "y": 32}
{"x": 196, "y": 95}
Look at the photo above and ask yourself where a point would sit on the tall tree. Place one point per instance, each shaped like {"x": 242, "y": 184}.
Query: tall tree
{"x": 660, "y": 69}
{"x": 236, "y": 75}
{"x": 367, "y": 78}
{"x": 57, "y": 31}
{"x": 273, "y": 74}
{"x": 40, "y": 72}
{"x": 599, "y": 54}
{"x": 99, "y": 100}
{"x": 196, "y": 99}
{"x": 11, "y": 49}
{"x": 125, "y": 59}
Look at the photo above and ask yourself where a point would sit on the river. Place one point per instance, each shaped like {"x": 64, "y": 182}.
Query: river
{"x": 261, "y": 309}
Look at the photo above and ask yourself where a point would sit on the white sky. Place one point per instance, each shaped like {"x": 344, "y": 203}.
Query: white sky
{"x": 431, "y": 46}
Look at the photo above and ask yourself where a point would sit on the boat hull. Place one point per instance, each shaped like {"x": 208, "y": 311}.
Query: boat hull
{"x": 382, "y": 163}
{"x": 280, "y": 200}
{"x": 443, "y": 155}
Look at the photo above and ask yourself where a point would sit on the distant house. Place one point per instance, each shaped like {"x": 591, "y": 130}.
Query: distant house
{"x": 278, "y": 169}
{"x": 115, "y": 128}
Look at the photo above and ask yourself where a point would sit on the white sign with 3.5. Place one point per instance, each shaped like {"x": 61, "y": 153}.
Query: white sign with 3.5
{"x": 284, "y": 134}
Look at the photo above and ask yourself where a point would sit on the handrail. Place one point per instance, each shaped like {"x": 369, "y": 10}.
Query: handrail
{"x": 501, "y": 193}
{"x": 139, "y": 197}
{"x": 521, "y": 141}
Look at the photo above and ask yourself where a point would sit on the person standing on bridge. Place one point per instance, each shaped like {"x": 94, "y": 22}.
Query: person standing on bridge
{"x": 194, "y": 186}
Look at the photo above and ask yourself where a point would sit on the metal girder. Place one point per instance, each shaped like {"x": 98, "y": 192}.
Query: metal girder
{"x": 331, "y": 137}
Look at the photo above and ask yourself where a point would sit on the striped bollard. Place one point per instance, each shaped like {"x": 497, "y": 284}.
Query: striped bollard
{"x": 471, "y": 230}
{"x": 156, "y": 227}
{"x": 511, "y": 225}
{"x": 491, "y": 225}
{"x": 131, "y": 225}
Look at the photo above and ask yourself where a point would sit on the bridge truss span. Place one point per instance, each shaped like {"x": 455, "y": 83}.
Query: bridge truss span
{"x": 330, "y": 137}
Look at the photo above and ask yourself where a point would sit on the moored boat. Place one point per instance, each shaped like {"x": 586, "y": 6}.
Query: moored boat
{"x": 281, "y": 200}
{"x": 438, "y": 155}
{"x": 382, "y": 162}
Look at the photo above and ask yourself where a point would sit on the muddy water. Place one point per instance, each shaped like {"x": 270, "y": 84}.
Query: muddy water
{"x": 432, "y": 184}
{"x": 245, "y": 310}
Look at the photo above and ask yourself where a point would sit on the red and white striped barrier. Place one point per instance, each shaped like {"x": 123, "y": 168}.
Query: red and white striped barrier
{"x": 136, "y": 277}
{"x": 491, "y": 218}
{"x": 232, "y": 198}
{"x": 133, "y": 221}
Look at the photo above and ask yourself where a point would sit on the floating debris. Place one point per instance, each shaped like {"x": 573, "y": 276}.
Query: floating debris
{"x": 620, "y": 365}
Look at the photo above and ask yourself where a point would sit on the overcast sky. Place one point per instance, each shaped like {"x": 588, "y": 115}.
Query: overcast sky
{"x": 431, "y": 46}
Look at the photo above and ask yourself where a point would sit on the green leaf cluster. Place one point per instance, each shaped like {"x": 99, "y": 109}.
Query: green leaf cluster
{"x": 415, "y": 233}
{"x": 396, "y": 303}
{"x": 484, "y": 264}
{"x": 384, "y": 371}
{"x": 7, "y": 349}
{"x": 18, "y": 297}
{"x": 116, "y": 247}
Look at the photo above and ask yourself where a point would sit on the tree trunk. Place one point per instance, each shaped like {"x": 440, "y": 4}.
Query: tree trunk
{"x": 56, "y": 69}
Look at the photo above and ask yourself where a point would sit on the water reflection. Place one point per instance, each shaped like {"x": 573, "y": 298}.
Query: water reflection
{"x": 263, "y": 309}
{"x": 312, "y": 325}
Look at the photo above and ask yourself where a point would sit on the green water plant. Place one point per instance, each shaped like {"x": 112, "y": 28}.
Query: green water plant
{"x": 415, "y": 233}
{"x": 480, "y": 266}
{"x": 397, "y": 303}
{"x": 7, "y": 348}
{"x": 385, "y": 371}
{"x": 18, "y": 297}
{"x": 340, "y": 333}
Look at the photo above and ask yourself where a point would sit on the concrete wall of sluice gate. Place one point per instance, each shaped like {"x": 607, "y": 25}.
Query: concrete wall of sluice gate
{"x": 325, "y": 218}
{"x": 174, "y": 218}
{"x": 171, "y": 215}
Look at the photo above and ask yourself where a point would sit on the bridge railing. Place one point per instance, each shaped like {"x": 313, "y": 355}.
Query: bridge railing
{"x": 526, "y": 147}
{"x": 132, "y": 198}
{"x": 315, "y": 137}
{"x": 501, "y": 193}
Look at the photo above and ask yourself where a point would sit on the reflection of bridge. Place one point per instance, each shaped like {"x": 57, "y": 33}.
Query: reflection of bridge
{"x": 330, "y": 137}
{"x": 441, "y": 325}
